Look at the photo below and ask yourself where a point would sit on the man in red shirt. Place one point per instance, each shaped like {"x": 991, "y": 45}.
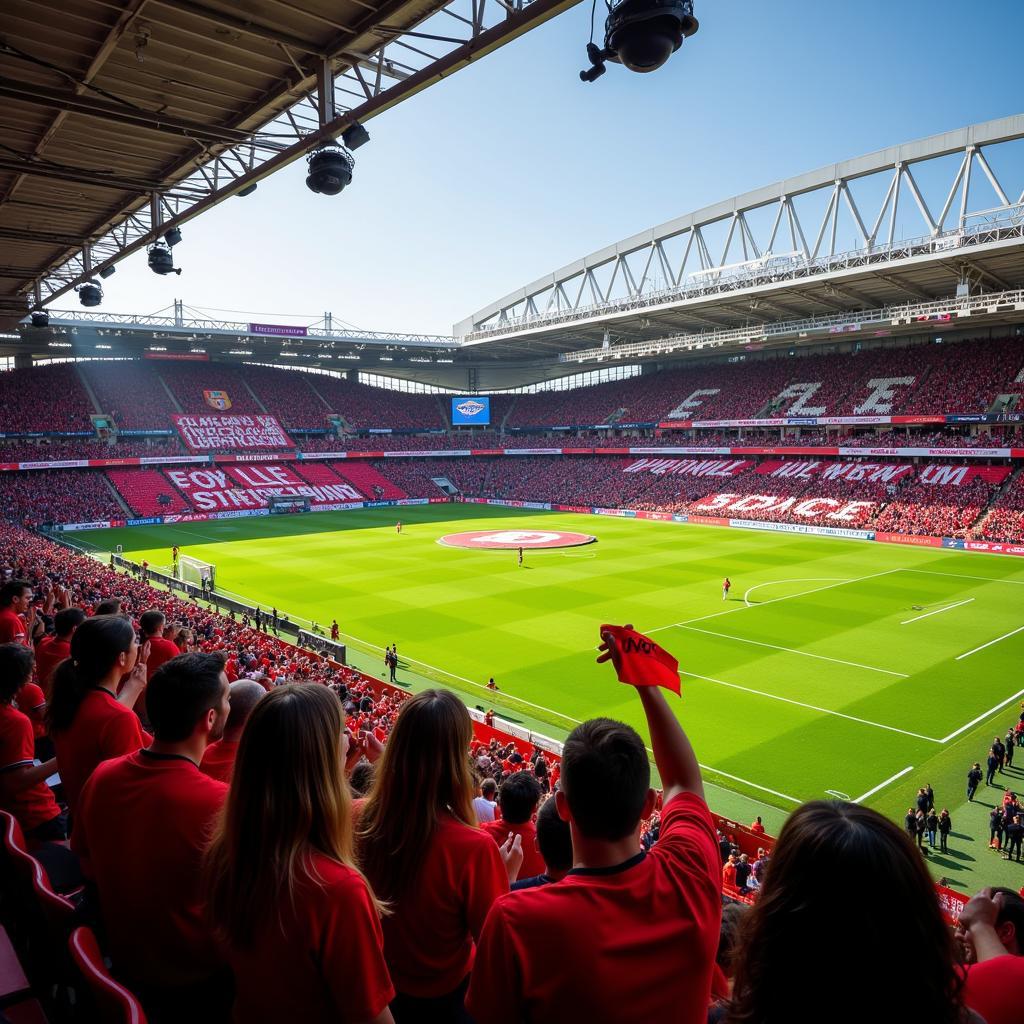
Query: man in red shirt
{"x": 625, "y": 935}
{"x": 758, "y": 826}
{"x": 219, "y": 760}
{"x": 518, "y": 798}
{"x": 23, "y": 789}
{"x": 16, "y": 612}
{"x": 52, "y": 650}
{"x": 142, "y": 823}
{"x": 992, "y": 923}
{"x": 161, "y": 650}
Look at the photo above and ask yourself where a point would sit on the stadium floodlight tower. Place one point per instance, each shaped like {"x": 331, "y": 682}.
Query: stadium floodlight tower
{"x": 641, "y": 35}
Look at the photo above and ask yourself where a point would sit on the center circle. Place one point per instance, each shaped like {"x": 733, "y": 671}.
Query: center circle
{"x": 484, "y": 540}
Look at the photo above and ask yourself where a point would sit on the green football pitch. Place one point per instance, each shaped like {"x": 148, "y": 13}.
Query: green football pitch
{"x": 835, "y": 667}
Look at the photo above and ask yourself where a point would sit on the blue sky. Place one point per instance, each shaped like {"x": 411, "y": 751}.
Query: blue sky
{"x": 513, "y": 167}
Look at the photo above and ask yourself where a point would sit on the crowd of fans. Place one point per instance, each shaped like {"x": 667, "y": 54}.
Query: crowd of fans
{"x": 978, "y": 508}
{"x": 61, "y": 451}
{"x": 299, "y": 845}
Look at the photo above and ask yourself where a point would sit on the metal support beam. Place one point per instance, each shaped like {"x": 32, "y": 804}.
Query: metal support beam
{"x": 96, "y": 106}
{"x": 82, "y": 177}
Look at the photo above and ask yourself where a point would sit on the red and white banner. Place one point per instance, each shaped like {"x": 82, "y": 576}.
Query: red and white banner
{"x": 811, "y": 469}
{"x": 246, "y": 487}
{"x": 809, "y": 509}
{"x": 959, "y": 476}
{"x": 689, "y": 467}
{"x": 211, "y": 433}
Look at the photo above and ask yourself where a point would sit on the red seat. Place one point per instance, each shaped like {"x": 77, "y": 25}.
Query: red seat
{"x": 114, "y": 1004}
{"x": 14, "y": 986}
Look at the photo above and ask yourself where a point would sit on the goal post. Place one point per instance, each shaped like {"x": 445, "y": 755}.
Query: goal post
{"x": 196, "y": 571}
{"x": 281, "y": 504}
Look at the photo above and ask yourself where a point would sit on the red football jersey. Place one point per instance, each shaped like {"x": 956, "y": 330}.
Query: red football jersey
{"x": 31, "y": 702}
{"x": 323, "y": 963}
{"x": 429, "y": 938}
{"x": 12, "y": 628}
{"x": 102, "y": 729}
{"x": 50, "y": 652}
{"x": 533, "y": 862}
{"x": 632, "y": 942}
{"x": 142, "y": 824}
{"x": 219, "y": 760}
{"x": 35, "y": 805}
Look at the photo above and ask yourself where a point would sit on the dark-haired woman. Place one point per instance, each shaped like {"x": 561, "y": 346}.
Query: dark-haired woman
{"x": 299, "y": 924}
{"x": 420, "y": 847}
{"x": 89, "y": 723}
{"x": 882, "y": 925}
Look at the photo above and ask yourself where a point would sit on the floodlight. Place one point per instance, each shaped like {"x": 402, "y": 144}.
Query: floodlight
{"x": 161, "y": 260}
{"x": 641, "y": 35}
{"x": 330, "y": 169}
{"x": 172, "y": 236}
{"x": 40, "y": 318}
{"x": 108, "y": 271}
{"x": 90, "y": 293}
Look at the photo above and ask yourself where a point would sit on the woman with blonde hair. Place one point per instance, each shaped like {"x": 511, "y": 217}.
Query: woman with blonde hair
{"x": 299, "y": 924}
{"x": 420, "y": 847}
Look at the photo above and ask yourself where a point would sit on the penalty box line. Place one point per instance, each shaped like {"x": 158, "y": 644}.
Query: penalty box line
{"x": 813, "y": 707}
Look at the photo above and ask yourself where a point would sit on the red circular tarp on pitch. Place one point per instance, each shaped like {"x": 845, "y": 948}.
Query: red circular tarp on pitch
{"x": 484, "y": 540}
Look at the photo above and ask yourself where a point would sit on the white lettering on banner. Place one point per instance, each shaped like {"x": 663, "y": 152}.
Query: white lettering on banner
{"x": 797, "y": 470}
{"x": 944, "y": 474}
{"x": 206, "y": 433}
{"x": 250, "y": 486}
{"x": 873, "y": 472}
{"x": 883, "y": 394}
{"x": 803, "y": 393}
{"x": 695, "y": 401}
{"x": 831, "y": 509}
{"x": 688, "y": 467}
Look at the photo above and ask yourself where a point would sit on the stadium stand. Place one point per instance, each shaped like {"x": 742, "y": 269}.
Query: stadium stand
{"x": 188, "y": 382}
{"x": 56, "y": 495}
{"x": 368, "y": 480}
{"x": 27, "y": 400}
{"x": 130, "y": 391}
{"x": 289, "y": 396}
{"x": 147, "y": 491}
{"x": 364, "y": 408}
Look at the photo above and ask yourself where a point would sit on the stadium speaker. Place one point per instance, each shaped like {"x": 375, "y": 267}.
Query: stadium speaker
{"x": 172, "y": 236}
{"x": 108, "y": 271}
{"x": 641, "y": 35}
{"x": 248, "y": 190}
{"x": 90, "y": 293}
{"x": 161, "y": 260}
{"x": 330, "y": 169}
{"x": 40, "y": 318}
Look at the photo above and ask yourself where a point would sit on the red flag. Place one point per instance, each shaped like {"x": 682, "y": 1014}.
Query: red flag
{"x": 638, "y": 660}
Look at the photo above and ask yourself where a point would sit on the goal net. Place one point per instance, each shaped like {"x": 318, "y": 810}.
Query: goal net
{"x": 194, "y": 570}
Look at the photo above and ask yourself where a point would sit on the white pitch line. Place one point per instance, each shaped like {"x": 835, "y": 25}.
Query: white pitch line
{"x": 799, "y": 579}
{"x": 938, "y": 611}
{"x": 774, "y": 600}
{"x": 982, "y": 716}
{"x": 882, "y": 785}
{"x": 962, "y": 576}
{"x": 747, "y": 782}
{"x": 794, "y": 650}
{"x": 967, "y": 654}
{"x": 811, "y": 707}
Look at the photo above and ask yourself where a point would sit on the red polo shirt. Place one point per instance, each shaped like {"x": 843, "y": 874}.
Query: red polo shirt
{"x": 35, "y": 805}
{"x": 50, "y": 652}
{"x": 324, "y": 963}
{"x": 160, "y": 651}
{"x": 12, "y": 628}
{"x": 219, "y": 760}
{"x": 31, "y": 702}
{"x": 533, "y": 862}
{"x": 993, "y": 989}
{"x": 102, "y": 729}
{"x": 429, "y": 938}
{"x": 632, "y": 942}
{"x": 141, "y": 826}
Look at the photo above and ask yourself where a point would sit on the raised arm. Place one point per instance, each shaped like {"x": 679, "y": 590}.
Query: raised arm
{"x": 673, "y": 752}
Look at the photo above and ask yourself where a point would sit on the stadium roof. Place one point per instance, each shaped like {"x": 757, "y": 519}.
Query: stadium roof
{"x": 120, "y": 118}
{"x": 924, "y": 217}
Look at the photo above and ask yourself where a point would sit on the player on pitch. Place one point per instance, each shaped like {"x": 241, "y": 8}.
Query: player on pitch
{"x": 520, "y": 558}
{"x": 398, "y": 526}
{"x": 726, "y": 585}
